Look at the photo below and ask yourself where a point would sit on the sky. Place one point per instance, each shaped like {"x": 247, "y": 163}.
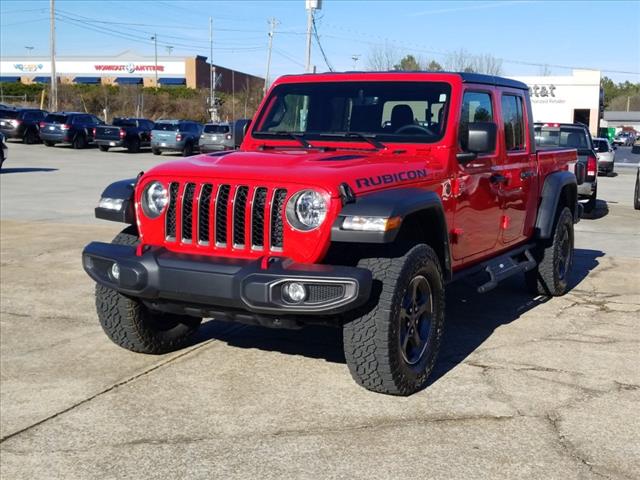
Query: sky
{"x": 599, "y": 35}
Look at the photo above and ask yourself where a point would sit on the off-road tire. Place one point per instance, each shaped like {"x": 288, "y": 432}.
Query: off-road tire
{"x": 49, "y": 143}
{"x": 79, "y": 142}
{"x": 155, "y": 151}
{"x": 550, "y": 277}
{"x": 134, "y": 145}
{"x": 30, "y": 137}
{"x": 636, "y": 194}
{"x": 131, "y": 325}
{"x": 372, "y": 342}
{"x": 103, "y": 148}
{"x": 187, "y": 150}
{"x": 590, "y": 206}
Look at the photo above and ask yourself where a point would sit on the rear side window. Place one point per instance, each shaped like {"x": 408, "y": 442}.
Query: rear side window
{"x": 124, "y": 122}
{"x": 8, "y": 114}
{"x": 167, "y": 127}
{"x": 55, "y": 118}
{"x": 601, "y": 145}
{"x": 476, "y": 107}
{"x": 570, "y": 137}
{"x": 513, "y": 120}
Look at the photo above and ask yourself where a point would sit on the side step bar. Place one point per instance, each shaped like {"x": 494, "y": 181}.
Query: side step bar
{"x": 499, "y": 268}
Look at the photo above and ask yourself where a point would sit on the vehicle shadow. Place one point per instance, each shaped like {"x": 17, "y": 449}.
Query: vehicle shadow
{"x": 26, "y": 170}
{"x": 471, "y": 319}
{"x": 601, "y": 210}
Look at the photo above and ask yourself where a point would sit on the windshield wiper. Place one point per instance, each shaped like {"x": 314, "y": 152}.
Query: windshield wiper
{"x": 371, "y": 139}
{"x": 295, "y": 136}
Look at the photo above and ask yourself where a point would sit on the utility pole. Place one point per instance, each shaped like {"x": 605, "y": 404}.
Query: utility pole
{"x": 53, "y": 101}
{"x": 155, "y": 49}
{"x": 213, "y": 108}
{"x": 310, "y": 11}
{"x": 273, "y": 22}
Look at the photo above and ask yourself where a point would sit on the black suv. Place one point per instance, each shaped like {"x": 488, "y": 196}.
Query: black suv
{"x": 69, "y": 127}
{"x": 22, "y": 123}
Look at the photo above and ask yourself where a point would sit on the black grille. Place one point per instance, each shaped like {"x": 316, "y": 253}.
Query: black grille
{"x": 171, "y": 211}
{"x": 204, "y": 218}
{"x": 277, "y": 213}
{"x": 319, "y": 293}
{"x": 239, "y": 209}
{"x": 221, "y": 214}
{"x": 257, "y": 213}
{"x": 187, "y": 212}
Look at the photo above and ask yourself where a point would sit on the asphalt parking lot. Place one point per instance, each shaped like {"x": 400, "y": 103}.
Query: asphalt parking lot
{"x": 525, "y": 387}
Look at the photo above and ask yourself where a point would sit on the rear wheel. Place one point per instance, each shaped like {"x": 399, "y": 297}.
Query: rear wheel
{"x": 49, "y": 143}
{"x": 30, "y": 137}
{"x": 155, "y": 151}
{"x": 131, "y": 325}
{"x": 392, "y": 349}
{"x": 103, "y": 148}
{"x": 187, "y": 151}
{"x": 79, "y": 142}
{"x": 134, "y": 145}
{"x": 555, "y": 259}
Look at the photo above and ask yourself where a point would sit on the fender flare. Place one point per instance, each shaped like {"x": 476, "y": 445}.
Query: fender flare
{"x": 121, "y": 190}
{"x": 549, "y": 200}
{"x": 400, "y": 202}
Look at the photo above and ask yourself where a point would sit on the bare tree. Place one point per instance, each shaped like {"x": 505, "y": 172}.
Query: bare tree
{"x": 460, "y": 61}
{"x": 382, "y": 58}
{"x": 488, "y": 64}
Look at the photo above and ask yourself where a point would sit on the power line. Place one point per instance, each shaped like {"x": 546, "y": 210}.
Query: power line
{"x": 315, "y": 34}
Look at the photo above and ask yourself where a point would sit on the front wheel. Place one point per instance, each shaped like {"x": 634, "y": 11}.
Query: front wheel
{"x": 134, "y": 145}
{"x": 555, "y": 259}
{"x": 131, "y": 325}
{"x": 155, "y": 151}
{"x": 393, "y": 347}
{"x": 79, "y": 142}
{"x": 187, "y": 151}
{"x": 30, "y": 137}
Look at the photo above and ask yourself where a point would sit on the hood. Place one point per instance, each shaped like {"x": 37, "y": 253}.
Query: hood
{"x": 362, "y": 169}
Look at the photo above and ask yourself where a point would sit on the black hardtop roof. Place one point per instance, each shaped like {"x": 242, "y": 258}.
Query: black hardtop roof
{"x": 465, "y": 76}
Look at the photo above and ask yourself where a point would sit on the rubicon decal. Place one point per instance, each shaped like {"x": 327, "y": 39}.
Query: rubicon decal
{"x": 387, "y": 178}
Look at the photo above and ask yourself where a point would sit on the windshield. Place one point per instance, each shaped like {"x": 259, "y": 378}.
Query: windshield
{"x": 8, "y": 114}
{"x": 54, "y": 118}
{"x": 167, "y": 127}
{"x": 387, "y": 111}
{"x": 562, "y": 137}
{"x": 216, "y": 129}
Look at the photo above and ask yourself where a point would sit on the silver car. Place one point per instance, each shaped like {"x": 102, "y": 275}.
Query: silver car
{"x": 606, "y": 155}
{"x": 216, "y": 136}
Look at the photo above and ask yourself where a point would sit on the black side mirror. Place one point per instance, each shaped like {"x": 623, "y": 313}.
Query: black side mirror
{"x": 240, "y": 128}
{"x": 479, "y": 138}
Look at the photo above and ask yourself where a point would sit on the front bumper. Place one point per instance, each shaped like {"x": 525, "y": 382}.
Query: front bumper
{"x": 255, "y": 286}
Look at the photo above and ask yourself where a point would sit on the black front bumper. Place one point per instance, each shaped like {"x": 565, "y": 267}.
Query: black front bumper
{"x": 214, "y": 283}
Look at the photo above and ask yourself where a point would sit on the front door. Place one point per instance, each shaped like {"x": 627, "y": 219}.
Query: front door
{"x": 517, "y": 167}
{"x": 478, "y": 213}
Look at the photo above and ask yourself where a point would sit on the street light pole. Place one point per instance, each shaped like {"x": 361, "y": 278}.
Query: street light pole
{"x": 155, "y": 48}
{"x": 53, "y": 101}
{"x": 310, "y": 11}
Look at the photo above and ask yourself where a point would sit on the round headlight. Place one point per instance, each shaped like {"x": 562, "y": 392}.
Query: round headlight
{"x": 306, "y": 210}
{"x": 154, "y": 199}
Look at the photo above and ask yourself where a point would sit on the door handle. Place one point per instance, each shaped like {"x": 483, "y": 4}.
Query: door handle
{"x": 526, "y": 174}
{"x": 497, "y": 178}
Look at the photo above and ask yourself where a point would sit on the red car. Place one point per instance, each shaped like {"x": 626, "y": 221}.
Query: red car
{"x": 354, "y": 200}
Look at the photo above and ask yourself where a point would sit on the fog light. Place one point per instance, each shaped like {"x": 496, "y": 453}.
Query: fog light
{"x": 115, "y": 271}
{"x": 294, "y": 292}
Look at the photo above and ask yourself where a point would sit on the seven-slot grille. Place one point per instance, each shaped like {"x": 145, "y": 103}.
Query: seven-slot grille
{"x": 227, "y": 216}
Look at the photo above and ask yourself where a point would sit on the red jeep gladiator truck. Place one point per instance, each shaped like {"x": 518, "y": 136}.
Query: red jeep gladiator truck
{"x": 353, "y": 201}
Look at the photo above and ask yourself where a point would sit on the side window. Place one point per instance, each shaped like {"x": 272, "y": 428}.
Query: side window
{"x": 476, "y": 107}
{"x": 28, "y": 116}
{"x": 513, "y": 119}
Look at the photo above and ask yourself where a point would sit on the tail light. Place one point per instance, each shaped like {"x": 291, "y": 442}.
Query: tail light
{"x": 123, "y": 133}
{"x": 552, "y": 125}
{"x": 41, "y": 124}
{"x": 228, "y": 136}
{"x": 65, "y": 127}
{"x": 93, "y": 132}
{"x": 178, "y": 137}
{"x": 150, "y": 135}
{"x": 16, "y": 122}
{"x": 592, "y": 166}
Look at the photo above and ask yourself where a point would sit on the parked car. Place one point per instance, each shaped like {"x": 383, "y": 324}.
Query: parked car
{"x": 606, "y": 155}
{"x": 72, "y": 128}
{"x": 4, "y": 150}
{"x": 347, "y": 223}
{"x": 623, "y": 139}
{"x": 175, "y": 136}
{"x": 22, "y": 123}
{"x": 130, "y": 133}
{"x": 573, "y": 135}
{"x": 636, "y": 194}
{"x": 222, "y": 136}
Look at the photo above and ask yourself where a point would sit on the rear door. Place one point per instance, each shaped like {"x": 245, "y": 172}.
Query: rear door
{"x": 517, "y": 166}
{"x": 478, "y": 213}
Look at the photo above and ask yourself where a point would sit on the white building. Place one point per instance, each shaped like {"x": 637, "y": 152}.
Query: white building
{"x": 566, "y": 99}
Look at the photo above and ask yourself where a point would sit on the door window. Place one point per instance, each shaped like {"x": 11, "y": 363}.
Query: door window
{"x": 476, "y": 107}
{"x": 513, "y": 119}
